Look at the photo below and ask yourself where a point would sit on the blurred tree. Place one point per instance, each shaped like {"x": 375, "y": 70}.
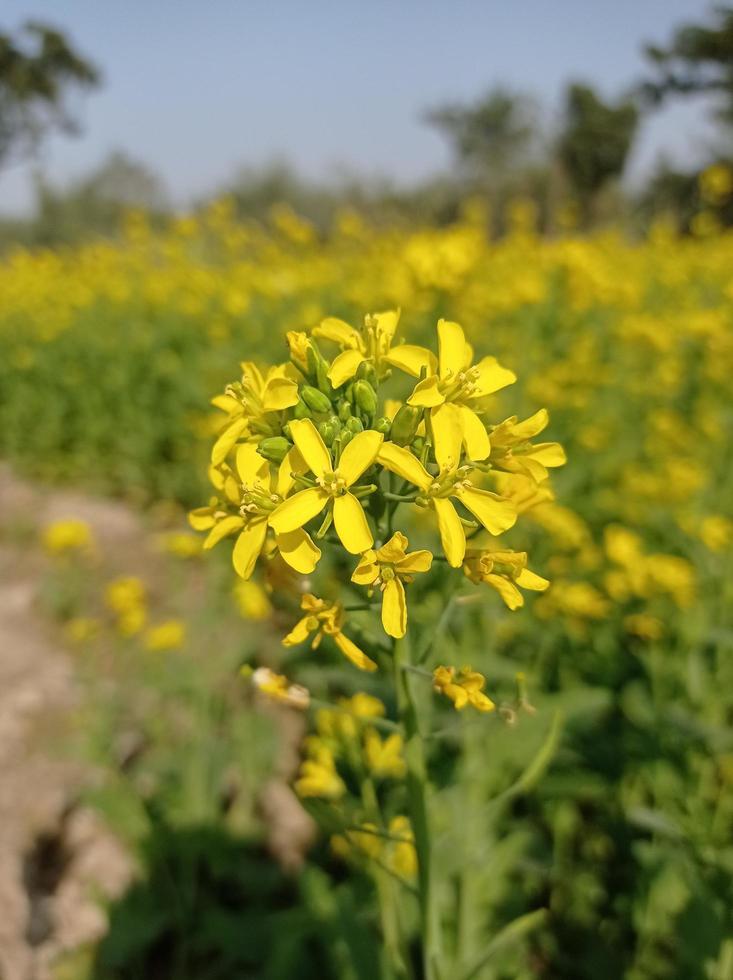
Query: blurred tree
{"x": 490, "y": 137}
{"x": 37, "y": 69}
{"x": 594, "y": 142}
{"x": 697, "y": 61}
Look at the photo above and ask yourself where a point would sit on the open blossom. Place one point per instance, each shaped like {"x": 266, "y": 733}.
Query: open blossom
{"x": 386, "y": 569}
{"x": 278, "y": 688}
{"x": 326, "y": 619}
{"x": 505, "y": 571}
{"x": 463, "y": 687}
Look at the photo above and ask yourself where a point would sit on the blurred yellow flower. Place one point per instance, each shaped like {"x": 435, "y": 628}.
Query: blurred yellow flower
{"x": 463, "y": 687}
{"x": 169, "y": 635}
{"x": 66, "y": 536}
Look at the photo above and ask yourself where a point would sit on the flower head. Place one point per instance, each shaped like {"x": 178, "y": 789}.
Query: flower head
{"x": 326, "y": 619}
{"x": 463, "y": 687}
{"x": 386, "y": 569}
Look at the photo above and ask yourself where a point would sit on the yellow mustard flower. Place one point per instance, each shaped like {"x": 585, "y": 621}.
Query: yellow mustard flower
{"x": 278, "y": 688}
{"x": 257, "y": 496}
{"x": 456, "y": 386}
{"x": 318, "y": 776}
{"x": 68, "y": 535}
{"x": 387, "y": 568}
{"x": 333, "y": 486}
{"x": 126, "y": 598}
{"x": 180, "y": 544}
{"x": 169, "y": 635}
{"x": 494, "y": 512}
{"x": 326, "y": 619}
{"x": 384, "y": 757}
{"x": 512, "y": 451}
{"x": 401, "y": 856}
{"x": 252, "y": 601}
{"x": 506, "y": 571}
{"x": 463, "y": 687}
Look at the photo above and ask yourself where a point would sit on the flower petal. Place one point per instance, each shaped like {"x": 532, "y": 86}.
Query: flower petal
{"x": 492, "y": 377}
{"x": 248, "y": 546}
{"x": 301, "y": 631}
{"x": 394, "y": 608}
{"x": 293, "y": 463}
{"x": 475, "y": 436}
{"x": 511, "y": 595}
{"x": 495, "y": 513}
{"x": 221, "y": 529}
{"x": 311, "y": 447}
{"x": 344, "y": 367}
{"x": 351, "y": 524}
{"x": 297, "y": 510}
{"x": 353, "y": 653}
{"x": 251, "y": 467}
{"x": 426, "y": 393}
{"x": 446, "y": 423}
{"x": 532, "y": 426}
{"x": 451, "y": 348}
{"x": 359, "y": 455}
{"x": 387, "y": 322}
{"x": 299, "y": 550}
{"x": 201, "y": 519}
{"x": 532, "y": 581}
{"x": 414, "y": 563}
{"x": 339, "y": 332}
{"x": 412, "y": 359}
{"x": 393, "y": 550}
{"x": 399, "y": 460}
{"x": 549, "y": 454}
{"x": 279, "y": 393}
{"x": 367, "y": 570}
{"x": 452, "y": 535}
{"x": 226, "y": 440}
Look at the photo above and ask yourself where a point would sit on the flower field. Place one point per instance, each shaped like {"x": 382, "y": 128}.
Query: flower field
{"x": 577, "y": 737}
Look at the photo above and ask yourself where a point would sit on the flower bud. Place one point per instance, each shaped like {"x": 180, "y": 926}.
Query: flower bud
{"x": 344, "y": 410}
{"x": 315, "y": 399}
{"x": 328, "y": 432}
{"x": 367, "y": 372}
{"x": 301, "y": 410}
{"x": 383, "y": 425}
{"x": 354, "y": 425}
{"x": 405, "y": 425}
{"x": 365, "y": 397}
{"x": 344, "y": 438}
{"x": 417, "y": 445}
{"x": 274, "y": 449}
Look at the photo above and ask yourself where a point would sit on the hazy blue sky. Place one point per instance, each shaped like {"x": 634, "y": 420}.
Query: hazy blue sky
{"x": 197, "y": 88}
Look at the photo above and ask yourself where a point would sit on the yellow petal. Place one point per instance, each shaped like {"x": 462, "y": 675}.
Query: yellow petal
{"x": 292, "y": 464}
{"x": 339, "y": 332}
{"x": 394, "y": 608}
{"x": 279, "y": 393}
{"x": 359, "y": 455}
{"x": 532, "y": 426}
{"x": 387, "y": 322}
{"x": 412, "y": 359}
{"x": 344, "y": 367}
{"x": 414, "y": 563}
{"x": 297, "y": 510}
{"x": 354, "y": 654}
{"x": 226, "y": 440}
{"x": 310, "y": 445}
{"x": 532, "y": 581}
{"x": 451, "y": 348}
{"x": 248, "y": 546}
{"x": 351, "y": 524}
{"x": 494, "y": 512}
{"x": 226, "y": 404}
{"x": 299, "y": 550}
{"x": 393, "y": 550}
{"x": 367, "y": 570}
{"x": 399, "y": 460}
{"x": 511, "y": 595}
{"x": 451, "y": 530}
{"x": 475, "y": 436}
{"x": 251, "y": 467}
{"x": 301, "y": 631}
{"x": 549, "y": 454}
{"x": 201, "y": 519}
{"x": 426, "y": 394}
{"x": 221, "y": 529}
{"x": 445, "y": 422}
{"x": 492, "y": 377}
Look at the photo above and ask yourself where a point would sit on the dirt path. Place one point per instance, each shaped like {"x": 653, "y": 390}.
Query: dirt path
{"x": 54, "y": 854}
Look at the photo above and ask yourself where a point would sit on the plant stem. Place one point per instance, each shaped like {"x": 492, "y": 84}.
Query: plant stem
{"x": 417, "y": 794}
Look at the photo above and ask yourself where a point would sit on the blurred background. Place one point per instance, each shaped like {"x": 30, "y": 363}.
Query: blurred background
{"x": 179, "y": 185}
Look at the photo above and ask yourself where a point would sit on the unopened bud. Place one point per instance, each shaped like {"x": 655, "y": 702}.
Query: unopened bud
{"x": 405, "y": 425}
{"x": 354, "y": 425}
{"x": 328, "y": 432}
{"x": 344, "y": 410}
{"x": 417, "y": 445}
{"x": 274, "y": 449}
{"x": 301, "y": 410}
{"x": 383, "y": 425}
{"x": 344, "y": 438}
{"x": 365, "y": 397}
{"x": 315, "y": 399}
{"x": 366, "y": 372}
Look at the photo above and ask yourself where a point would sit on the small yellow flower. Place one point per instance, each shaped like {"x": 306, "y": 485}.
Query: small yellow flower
{"x": 180, "y": 544}
{"x": 512, "y": 451}
{"x": 81, "y": 629}
{"x": 387, "y": 568}
{"x": 326, "y": 619}
{"x": 504, "y": 571}
{"x": 384, "y": 756}
{"x": 463, "y": 687}
{"x": 62, "y": 537}
{"x": 401, "y": 855}
{"x": 277, "y": 687}
{"x": 318, "y": 776}
{"x": 169, "y": 635}
{"x": 252, "y": 601}
{"x": 333, "y": 486}
{"x": 126, "y": 598}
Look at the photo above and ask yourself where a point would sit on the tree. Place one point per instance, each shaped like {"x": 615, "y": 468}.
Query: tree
{"x": 490, "y": 137}
{"x": 38, "y": 68}
{"x": 595, "y": 141}
{"x": 697, "y": 61}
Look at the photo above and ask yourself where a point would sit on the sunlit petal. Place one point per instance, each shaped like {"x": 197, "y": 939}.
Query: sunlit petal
{"x": 494, "y": 512}
{"x": 297, "y": 510}
{"x": 399, "y": 460}
{"x": 451, "y": 348}
{"x": 451, "y": 530}
{"x": 426, "y": 393}
{"x": 344, "y": 367}
{"x": 359, "y": 455}
{"x": 248, "y": 546}
{"x": 394, "y": 608}
{"x": 299, "y": 550}
{"x": 310, "y": 445}
{"x": 351, "y": 524}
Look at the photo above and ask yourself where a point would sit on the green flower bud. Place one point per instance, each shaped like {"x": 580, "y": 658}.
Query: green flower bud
{"x": 367, "y": 372}
{"x": 315, "y": 399}
{"x": 274, "y": 449}
{"x": 365, "y": 397}
{"x": 344, "y": 438}
{"x": 405, "y": 425}
{"x": 344, "y": 410}
{"x": 328, "y": 432}
{"x": 417, "y": 445}
{"x": 301, "y": 411}
{"x": 383, "y": 425}
{"x": 354, "y": 425}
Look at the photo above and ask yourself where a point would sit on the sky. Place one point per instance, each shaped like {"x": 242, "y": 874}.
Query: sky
{"x": 199, "y": 89}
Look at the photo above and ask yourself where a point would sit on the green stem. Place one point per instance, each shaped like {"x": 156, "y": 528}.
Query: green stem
{"x": 417, "y": 794}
